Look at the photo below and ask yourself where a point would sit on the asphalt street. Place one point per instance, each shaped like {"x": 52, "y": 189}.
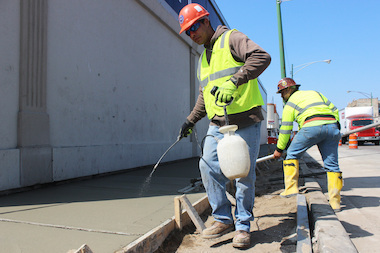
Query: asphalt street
{"x": 360, "y": 194}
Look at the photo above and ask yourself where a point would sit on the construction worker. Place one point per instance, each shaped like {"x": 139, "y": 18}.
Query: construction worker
{"x": 318, "y": 121}
{"x": 232, "y": 62}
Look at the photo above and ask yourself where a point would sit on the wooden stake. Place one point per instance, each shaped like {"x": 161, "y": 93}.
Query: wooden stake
{"x": 192, "y": 213}
{"x": 178, "y": 212}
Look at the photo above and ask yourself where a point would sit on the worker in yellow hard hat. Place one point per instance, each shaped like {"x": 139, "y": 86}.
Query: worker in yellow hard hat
{"x": 232, "y": 62}
{"x": 318, "y": 121}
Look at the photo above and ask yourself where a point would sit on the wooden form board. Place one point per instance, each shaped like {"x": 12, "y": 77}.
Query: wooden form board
{"x": 152, "y": 240}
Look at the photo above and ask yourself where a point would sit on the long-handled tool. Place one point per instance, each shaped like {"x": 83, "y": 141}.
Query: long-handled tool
{"x": 265, "y": 158}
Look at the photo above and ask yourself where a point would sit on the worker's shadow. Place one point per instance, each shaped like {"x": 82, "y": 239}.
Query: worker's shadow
{"x": 355, "y": 201}
{"x": 355, "y": 231}
{"x": 360, "y": 182}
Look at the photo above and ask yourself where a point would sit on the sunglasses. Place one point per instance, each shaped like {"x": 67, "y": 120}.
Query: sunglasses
{"x": 194, "y": 27}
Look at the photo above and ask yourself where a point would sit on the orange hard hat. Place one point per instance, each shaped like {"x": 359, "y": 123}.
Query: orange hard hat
{"x": 285, "y": 83}
{"x": 190, "y": 14}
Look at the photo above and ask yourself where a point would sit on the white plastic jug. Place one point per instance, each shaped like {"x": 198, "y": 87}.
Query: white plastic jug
{"x": 233, "y": 154}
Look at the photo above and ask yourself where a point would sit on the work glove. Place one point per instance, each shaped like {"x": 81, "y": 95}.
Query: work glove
{"x": 225, "y": 91}
{"x": 186, "y": 129}
{"x": 277, "y": 154}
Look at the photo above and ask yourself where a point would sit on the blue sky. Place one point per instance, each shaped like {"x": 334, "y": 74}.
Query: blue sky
{"x": 347, "y": 32}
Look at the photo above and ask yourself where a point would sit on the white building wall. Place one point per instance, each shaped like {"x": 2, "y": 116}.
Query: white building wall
{"x": 9, "y": 92}
{"x": 119, "y": 85}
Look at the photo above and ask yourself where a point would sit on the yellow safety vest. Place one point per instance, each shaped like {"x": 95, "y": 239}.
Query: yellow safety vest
{"x": 222, "y": 66}
{"x": 301, "y": 106}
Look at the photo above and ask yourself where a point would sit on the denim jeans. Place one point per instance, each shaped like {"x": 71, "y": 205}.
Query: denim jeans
{"x": 215, "y": 182}
{"x": 326, "y": 137}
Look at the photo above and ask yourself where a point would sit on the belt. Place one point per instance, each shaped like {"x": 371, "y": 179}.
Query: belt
{"x": 319, "y": 117}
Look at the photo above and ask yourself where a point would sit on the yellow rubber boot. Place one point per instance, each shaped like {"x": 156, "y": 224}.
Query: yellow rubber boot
{"x": 291, "y": 173}
{"x": 334, "y": 185}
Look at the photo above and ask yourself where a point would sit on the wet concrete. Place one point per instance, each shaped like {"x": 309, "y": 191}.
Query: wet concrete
{"x": 106, "y": 213}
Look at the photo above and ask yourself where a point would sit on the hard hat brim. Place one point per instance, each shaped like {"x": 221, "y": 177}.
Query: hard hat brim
{"x": 192, "y": 22}
{"x": 297, "y": 85}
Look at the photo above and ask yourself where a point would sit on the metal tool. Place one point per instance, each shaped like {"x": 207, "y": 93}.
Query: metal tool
{"x": 265, "y": 158}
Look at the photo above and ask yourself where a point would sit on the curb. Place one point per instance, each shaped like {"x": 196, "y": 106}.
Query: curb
{"x": 303, "y": 230}
{"x": 329, "y": 235}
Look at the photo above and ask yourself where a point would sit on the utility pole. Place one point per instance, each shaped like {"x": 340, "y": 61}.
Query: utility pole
{"x": 281, "y": 41}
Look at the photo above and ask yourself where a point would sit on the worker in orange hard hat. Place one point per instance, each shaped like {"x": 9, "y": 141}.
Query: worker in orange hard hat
{"x": 190, "y": 18}
{"x": 318, "y": 121}
{"x": 190, "y": 14}
{"x": 231, "y": 62}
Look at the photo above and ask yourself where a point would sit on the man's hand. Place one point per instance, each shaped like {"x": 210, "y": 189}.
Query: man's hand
{"x": 277, "y": 154}
{"x": 186, "y": 129}
{"x": 225, "y": 91}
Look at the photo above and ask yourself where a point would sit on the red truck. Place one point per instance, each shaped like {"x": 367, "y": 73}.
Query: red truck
{"x": 355, "y": 117}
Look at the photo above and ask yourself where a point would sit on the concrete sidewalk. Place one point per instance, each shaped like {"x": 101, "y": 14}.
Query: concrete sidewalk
{"x": 106, "y": 213}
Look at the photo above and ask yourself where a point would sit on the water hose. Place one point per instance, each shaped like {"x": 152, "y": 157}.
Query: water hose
{"x": 159, "y": 160}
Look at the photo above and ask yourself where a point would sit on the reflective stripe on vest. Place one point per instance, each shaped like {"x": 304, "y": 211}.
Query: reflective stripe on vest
{"x": 302, "y": 110}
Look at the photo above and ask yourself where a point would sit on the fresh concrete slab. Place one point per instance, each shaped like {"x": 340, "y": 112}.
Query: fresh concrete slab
{"x": 106, "y": 213}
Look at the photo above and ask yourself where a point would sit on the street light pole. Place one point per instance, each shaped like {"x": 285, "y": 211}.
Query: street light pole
{"x": 368, "y": 95}
{"x": 281, "y": 41}
{"x": 302, "y": 66}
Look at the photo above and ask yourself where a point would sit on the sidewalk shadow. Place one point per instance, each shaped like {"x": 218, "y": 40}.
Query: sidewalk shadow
{"x": 166, "y": 180}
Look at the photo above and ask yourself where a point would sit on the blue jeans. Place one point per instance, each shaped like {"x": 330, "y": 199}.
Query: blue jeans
{"x": 215, "y": 182}
{"x": 326, "y": 137}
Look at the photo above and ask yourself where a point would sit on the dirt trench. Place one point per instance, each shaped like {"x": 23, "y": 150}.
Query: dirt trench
{"x": 273, "y": 230}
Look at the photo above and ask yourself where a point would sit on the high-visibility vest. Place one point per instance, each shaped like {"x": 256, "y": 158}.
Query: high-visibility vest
{"x": 303, "y": 105}
{"x": 222, "y": 66}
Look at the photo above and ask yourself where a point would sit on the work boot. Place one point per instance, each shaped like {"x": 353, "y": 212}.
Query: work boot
{"x": 334, "y": 185}
{"x": 291, "y": 172}
{"x": 242, "y": 239}
{"x": 216, "y": 230}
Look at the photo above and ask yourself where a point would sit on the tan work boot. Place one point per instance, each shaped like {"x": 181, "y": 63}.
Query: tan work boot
{"x": 291, "y": 173}
{"x": 216, "y": 230}
{"x": 242, "y": 239}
